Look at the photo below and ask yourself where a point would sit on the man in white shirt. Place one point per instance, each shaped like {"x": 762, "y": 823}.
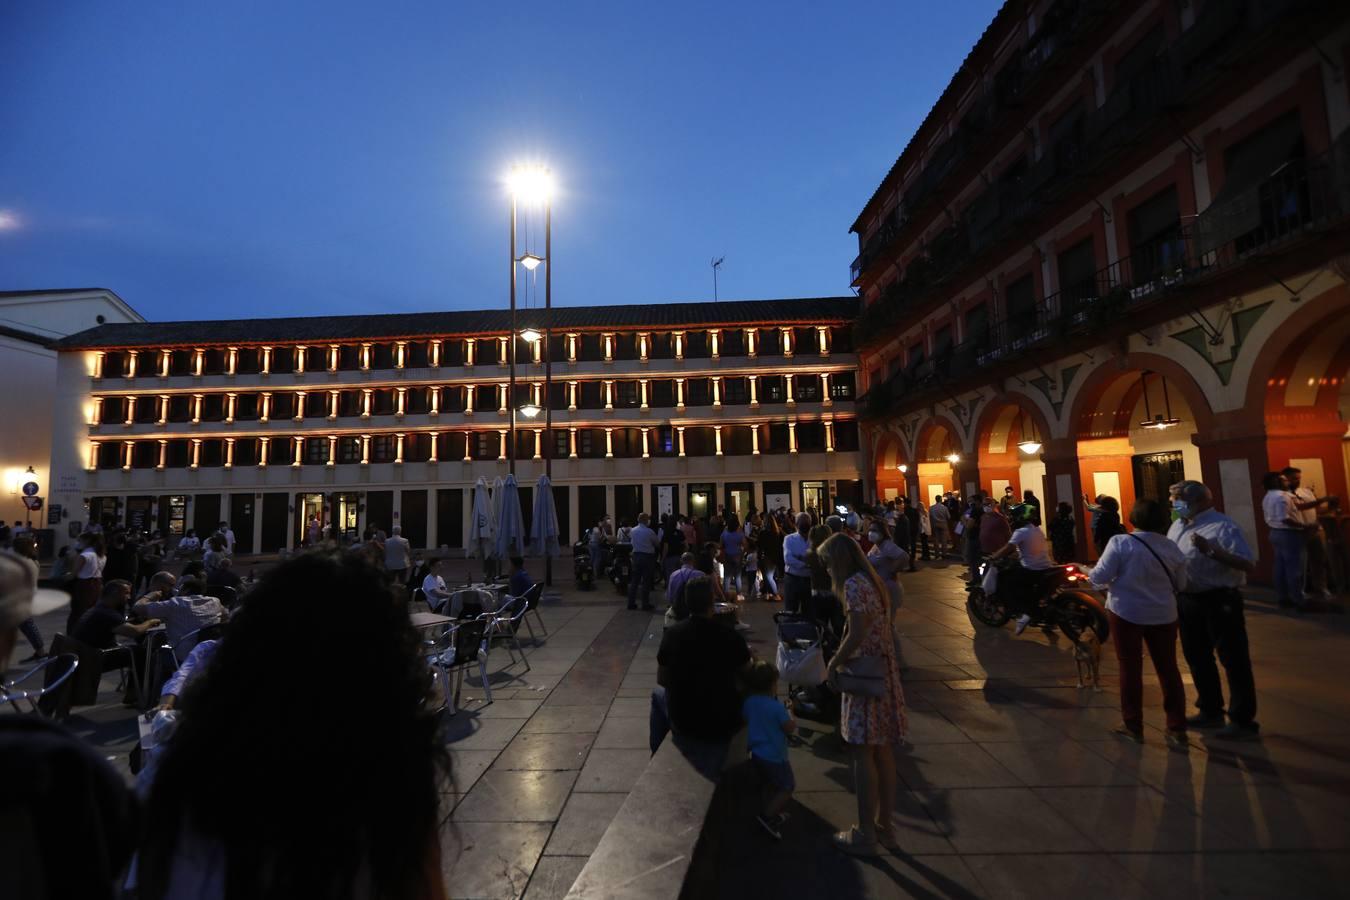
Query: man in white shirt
{"x": 797, "y": 586}
{"x": 1306, "y": 505}
{"x": 1218, "y": 560}
{"x": 397, "y": 556}
{"x": 1033, "y": 553}
{"x": 1286, "y": 538}
{"x": 228, "y": 534}
{"x": 940, "y": 518}
{"x": 645, "y": 542}
{"x": 433, "y": 586}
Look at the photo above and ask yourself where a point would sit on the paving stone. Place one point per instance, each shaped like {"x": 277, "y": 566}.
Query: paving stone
{"x": 620, "y": 732}
{"x": 553, "y": 877}
{"x": 566, "y": 719}
{"x": 1136, "y": 819}
{"x": 1057, "y": 763}
{"x": 915, "y": 829}
{"x": 466, "y": 766}
{"x": 1038, "y": 876}
{"x": 638, "y": 707}
{"x": 952, "y": 766}
{"x": 582, "y": 823}
{"x": 490, "y": 859}
{"x": 516, "y": 796}
{"x": 507, "y": 709}
{"x": 1013, "y": 819}
{"x": 470, "y": 733}
{"x": 612, "y": 771}
{"x": 545, "y": 751}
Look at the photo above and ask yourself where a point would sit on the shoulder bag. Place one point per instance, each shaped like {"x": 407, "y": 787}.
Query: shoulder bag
{"x": 1154, "y": 554}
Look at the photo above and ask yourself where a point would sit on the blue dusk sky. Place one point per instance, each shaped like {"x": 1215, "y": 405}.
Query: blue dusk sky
{"x": 238, "y": 159}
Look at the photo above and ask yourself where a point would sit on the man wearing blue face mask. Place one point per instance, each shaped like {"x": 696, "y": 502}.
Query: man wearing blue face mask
{"x": 1218, "y": 560}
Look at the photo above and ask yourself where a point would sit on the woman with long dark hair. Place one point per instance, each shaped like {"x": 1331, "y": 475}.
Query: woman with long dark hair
{"x": 283, "y": 780}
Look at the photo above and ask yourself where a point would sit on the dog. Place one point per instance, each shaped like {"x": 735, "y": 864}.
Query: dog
{"x": 1087, "y": 656}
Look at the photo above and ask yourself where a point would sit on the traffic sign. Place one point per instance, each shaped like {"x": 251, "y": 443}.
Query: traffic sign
{"x": 33, "y": 503}
{"x": 30, "y": 489}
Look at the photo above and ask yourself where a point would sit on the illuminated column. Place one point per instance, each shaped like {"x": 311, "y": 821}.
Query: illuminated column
{"x": 572, "y": 443}
{"x": 196, "y": 409}
{"x": 367, "y": 397}
{"x": 571, "y": 348}
{"x": 164, "y": 357}
{"x": 539, "y": 443}
{"x": 469, "y": 391}
{"x": 646, "y": 445}
{"x": 754, "y": 440}
{"x": 196, "y": 453}
{"x": 300, "y": 406}
{"x": 537, "y": 351}
{"x": 229, "y": 453}
{"x": 502, "y": 390}
{"x": 717, "y": 391}
{"x": 609, "y": 348}
{"x": 792, "y": 437}
{"x": 787, "y": 384}
{"x": 642, "y": 346}
{"x": 609, "y": 443}
{"x": 829, "y": 436}
{"x": 98, "y": 412}
{"x": 468, "y": 445}
{"x": 400, "y": 354}
{"x": 503, "y": 351}
{"x": 131, "y": 410}
{"x": 750, "y": 335}
{"x": 333, "y": 354}
{"x": 132, "y": 356}
{"x": 93, "y": 455}
{"x": 98, "y": 367}
{"x": 266, "y": 410}
{"x": 163, "y": 454}
{"x": 365, "y": 449}
{"x": 398, "y": 449}
{"x": 823, "y": 336}
{"x": 435, "y": 354}
{"x": 300, "y": 359}
{"x": 332, "y": 449}
{"x": 714, "y": 339}
{"x": 435, "y": 401}
{"x": 537, "y": 394}
{"x": 679, "y": 393}
{"x": 435, "y": 456}
{"x": 299, "y": 452}
{"x": 163, "y": 409}
{"x": 264, "y": 444}
{"x": 787, "y": 342}
{"x": 571, "y": 396}
{"x": 231, "y": 404}
{"x": 717, "y": 438}
{"x": 128, "y": 448}
{"x": 679, "y": 430}
{"x": 825, "y": 399}
{"x": 333, "y": 401}
{"x": 609, "y": 395}
{"x": 642, "y": 385}
{"x": 470, "y": 348}
{"x": 198, "y": 360}
{"x": 754, "y": 390}
{"x": 265, "y": 367}
{"x": 501, "y": 444}
{"x": 679, "y": 345}
{"x": 402, "y": 401}
{"x": 365, "y": 357}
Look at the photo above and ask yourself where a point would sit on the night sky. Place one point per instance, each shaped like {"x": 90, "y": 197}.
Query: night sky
{"x": 224, "y": 160}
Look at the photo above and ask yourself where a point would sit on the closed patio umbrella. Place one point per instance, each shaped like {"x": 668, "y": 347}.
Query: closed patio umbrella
{"x": 544, "y": 521}
{"x": 483, "y": 526}
{"x": 510, "y": 525}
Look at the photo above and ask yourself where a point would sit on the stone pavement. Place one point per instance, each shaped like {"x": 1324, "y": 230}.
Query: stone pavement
{"x": 1013, "y": 787}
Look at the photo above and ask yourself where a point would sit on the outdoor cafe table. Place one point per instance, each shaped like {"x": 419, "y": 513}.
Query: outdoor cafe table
{"x": 429, "y": 619}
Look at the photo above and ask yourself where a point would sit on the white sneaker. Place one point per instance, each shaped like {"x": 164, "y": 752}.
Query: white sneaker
{"x": 1022, "y": 623}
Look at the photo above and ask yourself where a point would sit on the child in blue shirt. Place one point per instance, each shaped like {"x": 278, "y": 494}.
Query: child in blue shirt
{"x": 768, "y": 723}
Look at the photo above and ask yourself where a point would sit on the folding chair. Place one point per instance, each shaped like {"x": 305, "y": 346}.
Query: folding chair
{"x": 457, "y": 648}
{"x": 505, "y": 622}
{"x": 532, "y": 605}
{"x": 228, "y": 596}
{"x": 53, "y": 688}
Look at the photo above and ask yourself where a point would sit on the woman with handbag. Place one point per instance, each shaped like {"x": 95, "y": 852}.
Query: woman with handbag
{"x": 872, "y": 715}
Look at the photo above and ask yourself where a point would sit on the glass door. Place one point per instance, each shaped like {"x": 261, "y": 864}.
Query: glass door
{"x": 345, "y": 510}
{"x": 309, "y": 519}
{"x": 815, "y": 496}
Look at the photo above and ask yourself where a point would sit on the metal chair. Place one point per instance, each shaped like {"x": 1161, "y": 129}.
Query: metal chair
{"x": 12, "y": 692}
{"x": 470, "y": 603}
{"x": 532, "y": 597}
{"x": 228, "y": 596}
{"x": 505, "y": 622}
{"x": 456, "y": 649}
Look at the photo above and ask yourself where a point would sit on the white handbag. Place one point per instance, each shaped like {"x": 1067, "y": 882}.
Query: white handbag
{"x": 804, "y": 666}
{"x": 990, "y": 583}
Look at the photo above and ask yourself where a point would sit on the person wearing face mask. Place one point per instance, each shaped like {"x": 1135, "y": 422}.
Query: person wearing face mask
{"x": 797, "y": 586}
{"x": 1218, "y": 560}
{"x": 888, "y": 558}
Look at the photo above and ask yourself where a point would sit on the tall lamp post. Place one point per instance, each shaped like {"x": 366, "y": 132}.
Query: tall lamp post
{"x": 534, "y": 185}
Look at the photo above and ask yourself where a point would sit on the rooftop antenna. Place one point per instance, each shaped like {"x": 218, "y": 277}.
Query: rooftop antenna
{"x": 716, "y": 264}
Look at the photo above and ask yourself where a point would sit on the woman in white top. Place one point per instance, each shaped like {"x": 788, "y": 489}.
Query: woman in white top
{"x": 1143, "y": 572}
{"x": 88, "y": 571}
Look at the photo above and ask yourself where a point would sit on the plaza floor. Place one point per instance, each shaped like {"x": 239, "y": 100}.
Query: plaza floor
{"x": 1011, "y": 785}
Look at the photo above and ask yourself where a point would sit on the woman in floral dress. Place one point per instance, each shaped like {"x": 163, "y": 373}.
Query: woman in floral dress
{"x": 871, "y": 726}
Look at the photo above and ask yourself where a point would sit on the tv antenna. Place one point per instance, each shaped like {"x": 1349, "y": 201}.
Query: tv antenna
{"x": 716, "y": 264}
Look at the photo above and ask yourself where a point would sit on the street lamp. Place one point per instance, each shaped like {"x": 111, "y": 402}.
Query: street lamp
{"x": 530, "y": 334}
{"x": 903, "y": 468}
{"x": 954, "y": 458}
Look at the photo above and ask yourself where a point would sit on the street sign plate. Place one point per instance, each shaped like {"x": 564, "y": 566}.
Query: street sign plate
{"x": 30, "y": 489}
{"x": 33, "y": 503}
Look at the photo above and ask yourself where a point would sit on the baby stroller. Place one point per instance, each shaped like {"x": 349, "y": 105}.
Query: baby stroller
{"x": 802, "y": 657}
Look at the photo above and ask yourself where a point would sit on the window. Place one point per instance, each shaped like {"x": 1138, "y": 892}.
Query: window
{"x": 418, "y": 400}
{"x": 349, "y": 357}
{"x": 349, "y": 403}
{"x": 283, "y": 405}
{"x": 590, "y": 395}
{"x": 177, "y": 454}
{"x": 1155, "y": 236}
{"x": 769, "y": 340}
{"x": 246, "y": 452}
{"x": 562, "y": 444}
{"x": 976, "y": 330}
{"x": 213, "y": 407}
{"x": 698, "y": 392}
{"x": 145, "y": 455}
{"x": 147, "y": 409}
{"x": 382, "y": 356}
{"x": 772, "y": 389}
{"x": 627, "y": 443}
{"x": 485, "y": 445}
{"x": 942, "y": 341}
{"x": 316, "y": 451}
{"x": 805, "y": 340}
{"x": 180, "y": 408}
{"x": 417, "y": 355}
{"x": 736, "y": 440}
{"x": 316, "y": 359}
{"x": 811, "y": 437}
{"x": 317, "y": 404}
{"x": 842, "y": 386}
{"x": 696, "y": 345}
{"x": 846, "y": 436}
{"x": 382, "y": 402}
{"x": 416, "y": 447}
{"x": 590, "y": 443}
{"x": 806, "y": 388}
{"x": 776, "y": 440}
{"x": 248, "y": 361}
{"x": 114, "y": 410}
{"x": 661, "y": 394}
{"x": 213, "y": 452}
{"x": 452, "y": 353}
{"x": 735, "y": 390}
{"x": 213, "y": 362}
{"x": 1019, "y": 308}
{"x": 661, "y": 345}
{"x": 180, "y": 362}
{"x": 626, "y": 345}
{"x": 383, "y": 447}
{"x": 841, "y": 339}
{"x": 627, "y": 395}
{"x": 663, "y": 441}
{"x": 114, "y": 364}
{"x": 731, "y": 342}
{"x": 699, "y": 441}
{"x": 246, "y": 407}
{"x": 349, "y": 449}
{"x": 590, "y": 348}
{"x": 452, "y": 398}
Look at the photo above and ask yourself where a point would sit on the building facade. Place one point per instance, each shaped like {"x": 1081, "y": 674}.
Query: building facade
{"x": 373, "y": 421}
{"x": 1115, "y": 255}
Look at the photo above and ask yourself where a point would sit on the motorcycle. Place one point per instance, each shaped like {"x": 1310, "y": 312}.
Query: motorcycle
{"x": 1059, "y": 597}
{"x": 620, "y": 566}
{"x": 581, "y": 566}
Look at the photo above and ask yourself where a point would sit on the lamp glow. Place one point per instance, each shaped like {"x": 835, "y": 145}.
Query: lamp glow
{"x": 1029, "y": 446}
{"x": 529, "y": 410}
{"x": 530, "y": 334}
{"x": 903, "y": 468}
{"x": 530, "y": 184}
{"x": 530, "y": 261}
{"x": 954, "y": 458}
